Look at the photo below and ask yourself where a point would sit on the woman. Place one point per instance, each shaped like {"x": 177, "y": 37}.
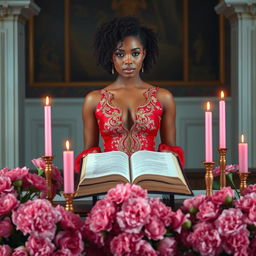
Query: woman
{"x": 129, "y": 112}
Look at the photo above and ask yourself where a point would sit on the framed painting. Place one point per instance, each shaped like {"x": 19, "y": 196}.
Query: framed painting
{"x": 191, "y": 42}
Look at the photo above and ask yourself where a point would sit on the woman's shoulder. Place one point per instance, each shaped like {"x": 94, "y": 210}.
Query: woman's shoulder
{"x": 165, "y": 96}
{"x": 92, "y": 98}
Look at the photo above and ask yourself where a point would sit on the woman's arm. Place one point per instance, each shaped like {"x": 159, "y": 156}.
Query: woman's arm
{"x": 168, "y": 124}
{"x": 90, "y": 125}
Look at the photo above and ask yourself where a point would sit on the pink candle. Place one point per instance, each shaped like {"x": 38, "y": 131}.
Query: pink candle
{"x": 47, "y": 129}
{"x": 68, "y": 168}
{"x": 222, "y": 121}
{"x": 208, "y": 133}
{"x": 243, "y": 155}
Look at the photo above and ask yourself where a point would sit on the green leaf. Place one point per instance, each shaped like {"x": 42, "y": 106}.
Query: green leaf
{"x": 230, "y": 177}
{"x": 187, "y": 224}
{"x": 193, "y": 210}
{"x": 168, "y": 234}
{"x": 40, "y": 172}
{"x": 216, "y": 185}
{"x": 228, "y": 200}
{"x": 17, "y": 183}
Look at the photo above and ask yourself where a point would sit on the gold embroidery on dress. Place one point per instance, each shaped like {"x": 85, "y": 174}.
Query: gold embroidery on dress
{"x": 133, "y": 139}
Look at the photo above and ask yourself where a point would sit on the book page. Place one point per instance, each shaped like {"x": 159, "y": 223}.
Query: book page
{"x": 107, "y": 163}
{"x": 157, "y": 163}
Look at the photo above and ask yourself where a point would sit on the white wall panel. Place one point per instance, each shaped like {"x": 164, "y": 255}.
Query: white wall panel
{"x": 67, "y": 123}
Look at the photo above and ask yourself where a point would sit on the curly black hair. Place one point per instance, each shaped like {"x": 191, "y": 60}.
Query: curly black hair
{"x": 110, "y": 33}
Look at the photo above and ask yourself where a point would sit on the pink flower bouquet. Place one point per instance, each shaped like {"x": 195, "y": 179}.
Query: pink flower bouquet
{"x": 34, "y": 227}
{"x": 57, "y": 179}
{"x": 127, "y": 222}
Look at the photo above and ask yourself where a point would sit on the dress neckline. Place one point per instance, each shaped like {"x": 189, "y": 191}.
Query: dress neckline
{"x": 146, "y": 95}
{"x": 143, "y": 104}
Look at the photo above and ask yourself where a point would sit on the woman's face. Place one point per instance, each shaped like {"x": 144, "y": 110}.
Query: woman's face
{"x": 128, "y": 57}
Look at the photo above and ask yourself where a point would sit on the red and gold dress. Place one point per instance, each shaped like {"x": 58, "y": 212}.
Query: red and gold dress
{"x": 140, "y": 136}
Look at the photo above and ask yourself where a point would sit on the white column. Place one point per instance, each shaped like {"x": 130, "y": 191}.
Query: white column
{"x": 242, "y": 17}
{"x": 13, "y": 14}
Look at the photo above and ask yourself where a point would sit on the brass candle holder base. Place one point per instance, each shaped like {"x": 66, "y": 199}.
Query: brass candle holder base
{"x": 48, "y": 176}
{"x": 208, "y": 177}
{"x": 243, "y": 181}
{"x": 223, "y": 152}
{"x": 69, "y": 201}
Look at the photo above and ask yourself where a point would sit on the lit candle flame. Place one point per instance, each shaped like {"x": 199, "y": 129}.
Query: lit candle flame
{"x": 242, "y": 138}
{"x": 208, "y": 106}
{"x": 67, "y": 144}
{"x": 222, "y": 95}
{"x": 47, "y": 101}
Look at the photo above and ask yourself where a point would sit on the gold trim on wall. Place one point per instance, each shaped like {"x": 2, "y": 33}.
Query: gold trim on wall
{"x": 67, "y": 60}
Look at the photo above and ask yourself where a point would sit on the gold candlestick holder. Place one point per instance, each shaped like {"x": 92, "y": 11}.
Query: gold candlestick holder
{"x": 223, "y": 152}
{"x": 243, "y": 181}
{"x": 48, "y": 175}
{"x": 69, "y": 201}
{"x": 208, "y": 177}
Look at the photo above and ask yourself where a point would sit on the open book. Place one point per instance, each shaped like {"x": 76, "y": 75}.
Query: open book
{"x": 154, "y": 171}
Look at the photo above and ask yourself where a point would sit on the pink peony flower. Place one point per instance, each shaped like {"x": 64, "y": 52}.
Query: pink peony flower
{"x": 20, "y": 251}
{"x": 5, "y": 250}
{"x": 39, "y": 163}
{"x": 245, "y": 203}
{"x": 167, "y": 246}
{"x": 230, "y": 222}
{"x": 6, "y": 227}
{"x": 232, "y": 168}
{"x": 137, "y": 191}
{"x": 69, "y": 220}
{"x": 216, "y": 171}
{"x": 94, "y": 237}
{"x": 250, "y": 189}
{"x": 36, "y": 181}
{"x": 124, "y": 244}
{"x": 63, "y": 252}
{"x": 205, "y": 239}
{"x": 155, "y": 228}
{"x": 251, "y": 217}
{"x": 220, "y": 196}
{"x": 160, "y": 210}
{"x": 71, "y": 240}
{"x": 101, "y": 216}
{"x": 229, "y": 168}
{"x": 37, "y": 218}
{"x": 177, "y": 220}
{"x": 133, "y": 215}
{"x": 193, "y": 203}
{"x": 252, "y": 249}
{"x": 40, "y": 246}
{"x": 6, "y": 185}
{"x": 17, "y": 173}
{"x": 238, "y": 243}
{"x": 120, "y": 193}
{"x": 3, "y": 171}
{"x": 8, "y": 202}
{"x": 143, "y": 248}
{"x": 208, "y": 211}
{"x": 57, "y": 179}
